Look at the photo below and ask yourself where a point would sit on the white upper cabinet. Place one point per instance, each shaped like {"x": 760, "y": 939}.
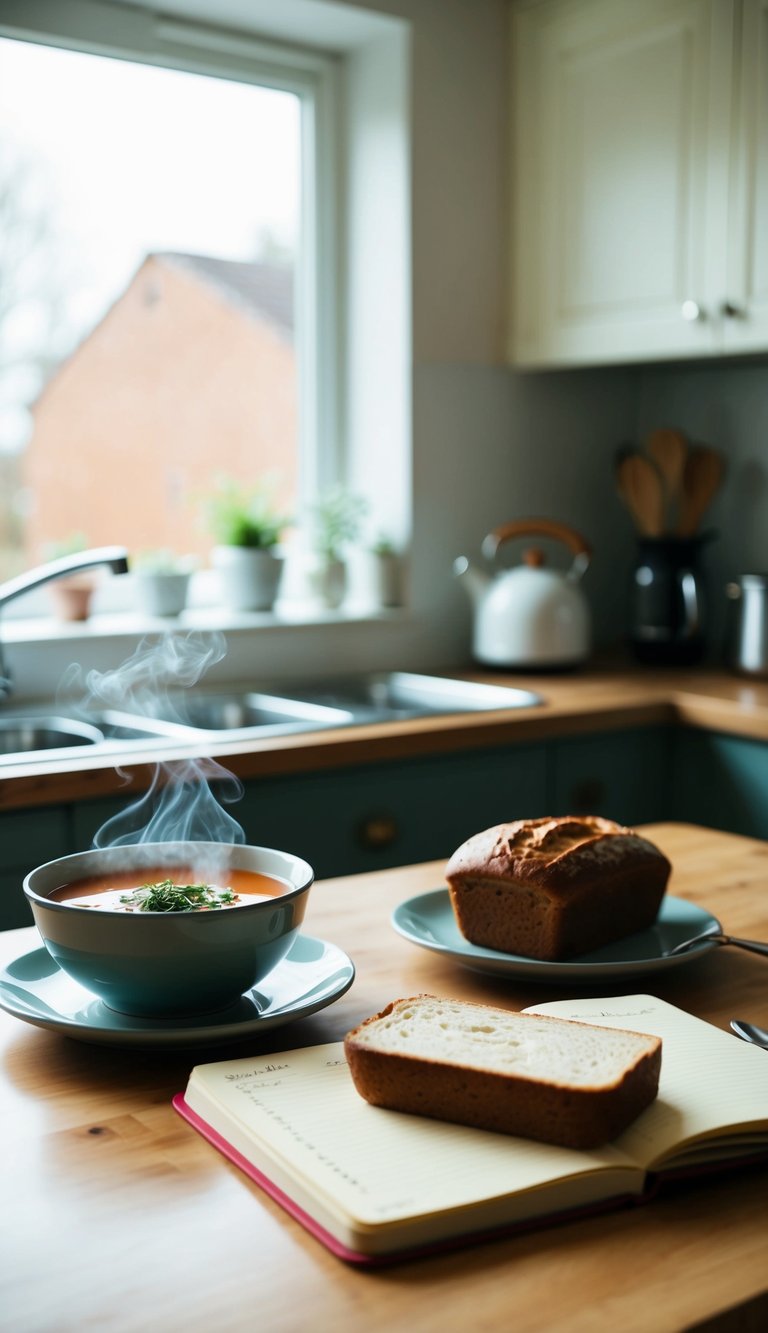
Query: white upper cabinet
{"x": 640, "y": 180}
{"x": 746, "y": 329}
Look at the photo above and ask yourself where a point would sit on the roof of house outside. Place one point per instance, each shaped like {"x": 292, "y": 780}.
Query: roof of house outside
{"x": 265, "y": 290}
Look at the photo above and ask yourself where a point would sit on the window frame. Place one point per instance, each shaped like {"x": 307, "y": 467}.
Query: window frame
{"x": 142, "y": 37}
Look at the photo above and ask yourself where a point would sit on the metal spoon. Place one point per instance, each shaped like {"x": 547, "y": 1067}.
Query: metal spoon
{"x": 715, "y": 936}
{"x": 750, "y": 1032}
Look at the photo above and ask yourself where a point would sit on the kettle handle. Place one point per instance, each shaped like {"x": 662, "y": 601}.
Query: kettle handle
{"x": 541, "y": 527}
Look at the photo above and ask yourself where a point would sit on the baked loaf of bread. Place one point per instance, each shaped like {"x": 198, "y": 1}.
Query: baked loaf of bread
{"x": 555, "y": 888}
{"x": 545, "y": 1078}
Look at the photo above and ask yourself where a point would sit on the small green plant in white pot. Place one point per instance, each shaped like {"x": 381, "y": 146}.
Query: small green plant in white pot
{"x": 247, "y": 526}
{"x": 337, "y": 520}
{"x": 161, "y": 580}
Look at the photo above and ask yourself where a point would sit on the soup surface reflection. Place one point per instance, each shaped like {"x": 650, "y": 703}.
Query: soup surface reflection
{"x": 169, "y": 889}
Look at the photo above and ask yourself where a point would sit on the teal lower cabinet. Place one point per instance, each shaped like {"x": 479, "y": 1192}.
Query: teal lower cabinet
{"x": 721, "y": 781}
{"x": 622, "y": 775}
{"x": 349, "y": 820}
{"x": 28, "y": 838}
{"x": 374, "y": 816}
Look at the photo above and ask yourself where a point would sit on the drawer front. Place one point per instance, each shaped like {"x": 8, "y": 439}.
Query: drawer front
{"x": 620, "y": 775}
{"x": 721, "y": 782}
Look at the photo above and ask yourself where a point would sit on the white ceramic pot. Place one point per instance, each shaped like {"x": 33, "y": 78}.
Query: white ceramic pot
{"x": 328, "y": 582}
{"x": 161, "y": 594}
{"x": 249, "y": 577}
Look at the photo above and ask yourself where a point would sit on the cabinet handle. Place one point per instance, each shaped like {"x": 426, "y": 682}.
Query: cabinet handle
{"x": 378, "y": 831}
{"x": 692, "y": 311}
{"x": 730, "y": 311}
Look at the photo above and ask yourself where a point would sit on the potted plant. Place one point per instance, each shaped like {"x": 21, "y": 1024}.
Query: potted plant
{"x": 247, "y": 527}
{"x": 337, "y": 519}
{"x": 384, "y": 572}
{"x": 162, "y": 581}
{"x": 70, "y": 597}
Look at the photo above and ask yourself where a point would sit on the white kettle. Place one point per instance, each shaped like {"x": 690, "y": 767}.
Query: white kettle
{"x": 529, "y": 616}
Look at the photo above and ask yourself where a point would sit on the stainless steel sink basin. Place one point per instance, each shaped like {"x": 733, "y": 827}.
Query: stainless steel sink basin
{"x": 392, "y": 695}
{"x": 346, "y": 701}
{"x": 235, "y": 714}
{"x": 28, "y": 734}
{"x": 191, "y": 717}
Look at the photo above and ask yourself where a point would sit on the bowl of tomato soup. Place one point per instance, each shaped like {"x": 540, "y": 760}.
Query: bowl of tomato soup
{"x": 170, "y": 929}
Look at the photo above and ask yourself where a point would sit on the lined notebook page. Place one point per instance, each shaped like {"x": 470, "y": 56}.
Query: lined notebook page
{"x": 710, "y": 1080}
{"x": 303, "y": 1115}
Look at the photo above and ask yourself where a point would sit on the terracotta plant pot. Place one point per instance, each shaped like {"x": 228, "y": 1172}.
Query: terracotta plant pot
{"x": 71, "y": 598}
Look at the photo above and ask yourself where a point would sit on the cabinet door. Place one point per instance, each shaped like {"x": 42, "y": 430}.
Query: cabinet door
{"x": 721, "y": 782}
{"x": 621, "y": 775}
{"x": 382, "y": 815}
{"x": 621, "y": 117}
{"x": 746, "y": 309}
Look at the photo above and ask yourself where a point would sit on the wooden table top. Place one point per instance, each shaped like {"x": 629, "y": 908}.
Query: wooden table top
{"x": 118, "y": 1216}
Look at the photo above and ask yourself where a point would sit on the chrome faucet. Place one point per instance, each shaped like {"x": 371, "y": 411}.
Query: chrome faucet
{"x": 115, "y": 557}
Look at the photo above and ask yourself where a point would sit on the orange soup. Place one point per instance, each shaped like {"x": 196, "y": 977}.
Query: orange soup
{"x": 169, "y": 889}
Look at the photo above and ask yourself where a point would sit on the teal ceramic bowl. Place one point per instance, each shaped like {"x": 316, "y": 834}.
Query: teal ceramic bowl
{"x": 170, "y": 964}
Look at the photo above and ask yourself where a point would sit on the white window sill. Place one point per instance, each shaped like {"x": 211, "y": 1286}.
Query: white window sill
{"x": 130, "y": 624}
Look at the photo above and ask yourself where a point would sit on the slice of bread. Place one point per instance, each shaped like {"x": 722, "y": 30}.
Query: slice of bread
{"x": 537, "y": 1076}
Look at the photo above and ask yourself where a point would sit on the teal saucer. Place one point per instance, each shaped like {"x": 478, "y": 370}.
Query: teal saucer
{"x": 428, "y": 921}
{"x": 311, "y": 976}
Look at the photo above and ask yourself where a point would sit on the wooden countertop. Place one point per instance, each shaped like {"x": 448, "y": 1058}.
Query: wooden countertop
{"x": 596, "y": 699}
{"x": 118, "y": 1216}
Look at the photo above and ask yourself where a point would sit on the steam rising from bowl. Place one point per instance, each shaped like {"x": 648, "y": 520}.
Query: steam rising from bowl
{"x": 180, "y": 804}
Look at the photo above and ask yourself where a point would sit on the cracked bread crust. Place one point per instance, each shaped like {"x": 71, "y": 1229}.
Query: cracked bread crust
{"x": 554, "y": 888}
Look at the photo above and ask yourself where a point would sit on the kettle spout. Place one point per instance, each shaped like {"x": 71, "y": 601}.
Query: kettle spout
{"x": 475, "y": 580}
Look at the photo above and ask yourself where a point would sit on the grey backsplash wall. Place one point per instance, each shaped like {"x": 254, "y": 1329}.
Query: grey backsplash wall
{"x": 495, "y": 444}
{"x": 725, "y": 406}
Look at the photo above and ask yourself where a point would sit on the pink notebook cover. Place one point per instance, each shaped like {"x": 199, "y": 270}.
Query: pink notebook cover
{"x": 382, "y": 1260}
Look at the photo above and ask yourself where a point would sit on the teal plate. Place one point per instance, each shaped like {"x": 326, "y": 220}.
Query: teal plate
{"x": 428, "y": 920}
{"x": 311, "y": 976}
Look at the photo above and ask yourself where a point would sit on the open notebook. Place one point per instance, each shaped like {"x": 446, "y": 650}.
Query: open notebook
{"x": 374, "y": 1185}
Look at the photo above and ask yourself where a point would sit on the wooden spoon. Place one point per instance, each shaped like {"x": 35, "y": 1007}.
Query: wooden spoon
{"x": 669, "y": 450}
{"x": 702, "y": 477}
{"x": 641, "y": 489}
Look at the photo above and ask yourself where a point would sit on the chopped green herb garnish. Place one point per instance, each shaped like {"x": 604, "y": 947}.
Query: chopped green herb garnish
{"x": 169, "y": 897}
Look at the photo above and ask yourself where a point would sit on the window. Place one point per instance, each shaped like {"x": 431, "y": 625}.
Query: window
{"x": 159, "y": 310}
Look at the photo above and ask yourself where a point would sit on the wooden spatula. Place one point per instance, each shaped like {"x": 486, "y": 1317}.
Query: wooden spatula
{"x": 702, "y": 477}
{"x": 669, "y": 450}
{"x": 640, "y": 487}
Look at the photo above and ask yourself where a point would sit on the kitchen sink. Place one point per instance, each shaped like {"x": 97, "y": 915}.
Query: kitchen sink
{"x": 29, "y": 736}
{"x": 190, "y": 717}
{"x": 344, "y": 701}
{"x": 23, "y": 734}
{"x": 394, "y": 695}
{"x": 235, "y": 712}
